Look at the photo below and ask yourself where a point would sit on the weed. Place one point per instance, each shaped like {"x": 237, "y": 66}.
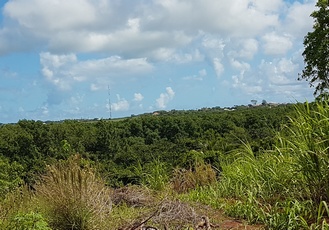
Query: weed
{"x": 28, "y": 221}
{"x": 248, "y": 210}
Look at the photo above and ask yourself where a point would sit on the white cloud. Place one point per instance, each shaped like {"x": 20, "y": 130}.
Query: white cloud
{"x": 172, "y": 55}
{"x": 280, "y": 72}
{"x": 267, "y": 5}
{"x": 287, "y": 66}
{"x": 121, "y": 104}
{"x": 133, "y": 29}
{"x": 56, "y": 61}
{"x": 94, "y": 87}
{"x": 218, "y": 66}
{"x": 239, "y": 65}
{"x": 165, "y": 98}
{"x": 50, "y": 15}
{"x": 240, "y": 84}
{"x": 138, "y": 97}
{"x": 92, "y": 26}
{"x": 274, "y": 78}
{"x": 297, "y": 22}
{"x": 246, "y": 48}
{"x": 65, "y": 70}
{"x": 275, "y": 44}
{"x": 212, "y": 16}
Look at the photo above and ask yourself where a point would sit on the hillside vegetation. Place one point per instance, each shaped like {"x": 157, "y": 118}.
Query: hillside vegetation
{"x": 266, "y": 166}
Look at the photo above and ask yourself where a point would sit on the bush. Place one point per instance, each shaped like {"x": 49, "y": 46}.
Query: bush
{"x": 28, "y": 221}
{"x": 10, "y": 176}
{"x": 184, "y": 180}
{"x": 74, "y": 197}
{"x": 17, "y": 201}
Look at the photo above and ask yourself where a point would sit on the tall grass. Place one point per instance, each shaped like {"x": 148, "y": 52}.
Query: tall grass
{"x": 153, "y": 174}
{"x": 307, "y": 140}
{"x": 269, "y": 175}
{"x": 74, "y": 197}
{"x": 284, "y": 188}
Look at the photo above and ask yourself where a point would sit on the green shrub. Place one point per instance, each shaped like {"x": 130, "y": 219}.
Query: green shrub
{"x": 10, "y": 176}
{"x": 201, "y": 175}
{"x": 19, "y": 200}
{"x": 28, "y": 221}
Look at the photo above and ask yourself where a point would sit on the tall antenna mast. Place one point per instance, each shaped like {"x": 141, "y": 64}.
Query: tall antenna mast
{"x": 110, "y": 106}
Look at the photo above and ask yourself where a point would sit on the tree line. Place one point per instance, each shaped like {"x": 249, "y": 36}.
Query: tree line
{"x": 116, "y": 147}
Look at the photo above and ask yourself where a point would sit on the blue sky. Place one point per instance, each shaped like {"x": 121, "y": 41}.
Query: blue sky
{"x": 58, "y": 58}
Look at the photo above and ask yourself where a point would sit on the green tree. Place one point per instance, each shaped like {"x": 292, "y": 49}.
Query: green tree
{"x": 316, "y": 53}
{"x": 10, "y": 176}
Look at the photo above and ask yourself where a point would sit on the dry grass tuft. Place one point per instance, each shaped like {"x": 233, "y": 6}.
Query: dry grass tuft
{"x": 185, "y": 180}
{"x": 74, "y": 197}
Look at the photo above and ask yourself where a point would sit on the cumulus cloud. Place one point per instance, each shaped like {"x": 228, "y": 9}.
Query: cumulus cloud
{"x": 136, "y": 28}
{"x": 275, "y": 44}
{"x": 64, "y": 70}
{"x": 218, "y": 66}
{"x": 91, "y": 26}
{"x": 50, "y": 16}
{"x": 121, "y": 104}
{"x": 293, "y": 24}
{"x": 239, "y": 65}
{"x": 212, "y": 16}
{"x": 244, "y": 48}
{"x": 274, "y": 77}
{"x": 165, "y": 98}
{"x": 245, "y": 85}
{"x": 279, "y": 71}
{"x": 138, "y": 97}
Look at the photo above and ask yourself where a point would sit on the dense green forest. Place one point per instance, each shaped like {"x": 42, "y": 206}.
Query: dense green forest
{"x": 118, "y": 146}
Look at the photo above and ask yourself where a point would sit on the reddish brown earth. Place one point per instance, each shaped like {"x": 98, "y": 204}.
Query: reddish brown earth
{"x": 220, "y": 221}
{"x": 233, "y": 224}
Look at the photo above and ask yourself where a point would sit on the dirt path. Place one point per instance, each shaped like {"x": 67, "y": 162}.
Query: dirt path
{"x": 217, "y": 218}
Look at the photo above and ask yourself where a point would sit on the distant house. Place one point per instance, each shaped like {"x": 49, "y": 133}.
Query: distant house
{"x": 273, "y": 104}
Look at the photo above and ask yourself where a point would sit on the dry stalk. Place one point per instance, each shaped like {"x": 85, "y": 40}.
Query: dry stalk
{"x": 176, "y": 213}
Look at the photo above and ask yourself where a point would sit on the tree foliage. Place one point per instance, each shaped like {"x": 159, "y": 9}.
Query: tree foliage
{"x": 316, "y": 53}
{"x": 118, "y": 146}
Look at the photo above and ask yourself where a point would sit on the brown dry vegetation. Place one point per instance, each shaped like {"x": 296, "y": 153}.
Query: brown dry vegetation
{"x": 170, "y": 213}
